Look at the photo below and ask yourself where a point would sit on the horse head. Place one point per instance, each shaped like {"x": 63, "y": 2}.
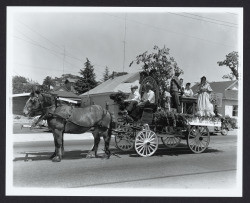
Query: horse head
{"x": 37, "y": 103}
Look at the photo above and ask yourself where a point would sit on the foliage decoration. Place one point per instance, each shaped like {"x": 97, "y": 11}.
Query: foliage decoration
{"x": 119, "y": 99}
{"x": 159, "y": 64}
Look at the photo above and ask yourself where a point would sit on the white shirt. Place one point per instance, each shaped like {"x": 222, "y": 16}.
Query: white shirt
{"x": 150, "y": 96}
{"x": 134, "y": 96}
{"x": 188, "y": 93}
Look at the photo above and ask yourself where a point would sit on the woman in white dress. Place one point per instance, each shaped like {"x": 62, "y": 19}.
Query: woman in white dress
{"x": 204, "y": 106}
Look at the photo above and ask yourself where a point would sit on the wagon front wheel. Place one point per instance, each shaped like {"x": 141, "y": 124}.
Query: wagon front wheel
{"x": 146, "y": 143}
{"x": 198, "y": 139}
{"x": 125, "y": 139}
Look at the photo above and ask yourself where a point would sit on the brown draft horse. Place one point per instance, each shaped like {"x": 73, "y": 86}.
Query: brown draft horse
{"x": 67, "y": 119}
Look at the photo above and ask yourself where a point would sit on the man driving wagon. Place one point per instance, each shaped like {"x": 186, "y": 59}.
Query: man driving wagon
{"x": 136, "y": 106}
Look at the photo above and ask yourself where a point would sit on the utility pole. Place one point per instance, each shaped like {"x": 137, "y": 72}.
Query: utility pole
{"x": 63, "y": 58}
{"x": 124, "y": 41}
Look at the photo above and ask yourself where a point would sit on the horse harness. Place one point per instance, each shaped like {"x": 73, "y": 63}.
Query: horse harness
{"x": 50, "y": 114}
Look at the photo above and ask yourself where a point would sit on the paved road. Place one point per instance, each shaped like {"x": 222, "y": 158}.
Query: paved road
{"x": 168, "y": 168}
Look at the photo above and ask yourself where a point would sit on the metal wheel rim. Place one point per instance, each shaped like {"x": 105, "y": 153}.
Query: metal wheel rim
{"x": 146, "y": 143}
{"x": 171, "y": 141}
{"x": 198, "y": 139}
{"x": 125, "y": 141}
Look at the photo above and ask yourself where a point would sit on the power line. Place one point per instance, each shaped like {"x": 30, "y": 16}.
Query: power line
{"x": 212, "y": 19}
{"x": 201, "y": 20}
{"x": 39, "y": 67}
{"x": 40, "y": 34}
{"x": 124, "y": 47}
{"x": 69, "y": 55}
{"x": 37, "y": 44}
{"x": 171, "y": 31}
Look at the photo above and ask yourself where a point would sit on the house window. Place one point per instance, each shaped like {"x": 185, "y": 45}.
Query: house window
{"x": 235, "y": 110}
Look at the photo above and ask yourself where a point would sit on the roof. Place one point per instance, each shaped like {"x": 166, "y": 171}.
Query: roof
{"x": 21, "y": 95}
{"x": 218, "y": 87}
{"x": 121, "y": 83}
{"x": 65, "y": 94}
{"x": 71, "y": 79}
{"x": 56, "y": 88}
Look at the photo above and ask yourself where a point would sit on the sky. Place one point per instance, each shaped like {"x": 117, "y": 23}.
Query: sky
{"x": 51, "y": 41}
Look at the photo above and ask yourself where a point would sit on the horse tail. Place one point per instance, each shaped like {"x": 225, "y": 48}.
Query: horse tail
{"x": 110, "y": 125}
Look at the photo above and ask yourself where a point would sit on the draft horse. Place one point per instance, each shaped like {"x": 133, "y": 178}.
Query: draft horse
{"x": 67, "y": 119}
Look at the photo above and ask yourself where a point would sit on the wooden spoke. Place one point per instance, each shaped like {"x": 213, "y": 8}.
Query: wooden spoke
{"x": 146, "y": 143}
{"x": 170, "y": 141}
{"x": 198, "y": 139}
{"x": 125, "y": 141}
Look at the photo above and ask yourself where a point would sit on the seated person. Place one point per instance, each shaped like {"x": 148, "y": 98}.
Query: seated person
{"x": 188, "y": 92}
{"x": 133, "y": 99}
{"x": 148, "y": 100}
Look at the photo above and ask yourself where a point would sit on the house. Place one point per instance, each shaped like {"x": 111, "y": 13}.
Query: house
{"x": 226, "y": 95}
{"x": 100, "y": 94}
{"x": 18, "y": 102}
{"x": 66, "y": 92}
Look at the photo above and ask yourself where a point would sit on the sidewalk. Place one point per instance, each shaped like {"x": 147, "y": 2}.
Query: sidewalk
{"x": 49, "y": 137}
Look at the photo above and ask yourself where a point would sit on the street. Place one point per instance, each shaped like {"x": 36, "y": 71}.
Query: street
{"x": 167, "y": 168}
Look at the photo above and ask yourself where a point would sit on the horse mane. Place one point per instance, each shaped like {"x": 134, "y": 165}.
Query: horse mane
{"x": 49, "y": 99}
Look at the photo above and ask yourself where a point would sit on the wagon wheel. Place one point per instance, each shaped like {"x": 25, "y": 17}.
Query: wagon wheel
{"x": 171, "y": 141}
{"x": 125, "y": 140}
{"x": 198, "y": 139}
{"x": 146, "y": 143}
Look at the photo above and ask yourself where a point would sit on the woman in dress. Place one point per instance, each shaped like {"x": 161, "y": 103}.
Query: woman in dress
{"x": 204, "y": 106}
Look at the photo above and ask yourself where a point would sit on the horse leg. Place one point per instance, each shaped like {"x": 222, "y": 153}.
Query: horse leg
{"x": 62, "y": 144}
{"x": 54, "y": 154}
{"x": 58, "y": 135}
{"x": 106, "y": 138}
{"x": 96, "y": 143}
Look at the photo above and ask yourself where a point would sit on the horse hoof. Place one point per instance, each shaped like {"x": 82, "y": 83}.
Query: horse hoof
{"x": 56, "y": 159}
{"x": 90, "y": 155}
{"x": 52, "y": 156}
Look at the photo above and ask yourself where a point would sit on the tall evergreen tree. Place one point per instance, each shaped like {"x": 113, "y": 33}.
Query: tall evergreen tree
{"x": 106, "y": 74}
{"x": 87, "y": 81}
{"x": 48, "y": 81}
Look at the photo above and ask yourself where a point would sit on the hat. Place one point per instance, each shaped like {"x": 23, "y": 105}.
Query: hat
{"x": 134, "y": 87}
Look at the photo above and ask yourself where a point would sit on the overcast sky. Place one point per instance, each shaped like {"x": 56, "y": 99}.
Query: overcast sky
{"x": 197, "y": 39}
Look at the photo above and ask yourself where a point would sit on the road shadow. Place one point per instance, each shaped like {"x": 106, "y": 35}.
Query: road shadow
{"x": 180, "y": 150}
{"x": 41, "y": 156}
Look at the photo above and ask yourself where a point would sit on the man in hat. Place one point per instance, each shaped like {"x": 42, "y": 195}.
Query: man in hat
{"x": 148, "y": 100}
{"x": 133, "y": 99}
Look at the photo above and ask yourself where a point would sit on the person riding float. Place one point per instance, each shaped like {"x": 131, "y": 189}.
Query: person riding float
{"x": 147, "y": 101}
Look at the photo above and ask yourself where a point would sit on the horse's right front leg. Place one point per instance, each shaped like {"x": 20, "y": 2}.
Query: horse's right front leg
{"x": 93, "y": 152}
{"x": 58, "y": 139}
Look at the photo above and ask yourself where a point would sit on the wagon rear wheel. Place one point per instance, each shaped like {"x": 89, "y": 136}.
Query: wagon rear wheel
{"x": 146, "y": 143}
{"x": 125, "y": 140}
{"x": 198, "y": 139}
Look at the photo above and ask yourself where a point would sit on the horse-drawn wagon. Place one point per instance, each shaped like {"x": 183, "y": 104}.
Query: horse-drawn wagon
{"x": 158, "y": 123}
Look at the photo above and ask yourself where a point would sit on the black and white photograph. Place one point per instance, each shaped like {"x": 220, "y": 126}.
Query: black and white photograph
{"x": 124, "y": 101}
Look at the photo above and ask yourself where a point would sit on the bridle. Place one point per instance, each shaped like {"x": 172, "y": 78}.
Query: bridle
{"x": 41, "y": 105}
